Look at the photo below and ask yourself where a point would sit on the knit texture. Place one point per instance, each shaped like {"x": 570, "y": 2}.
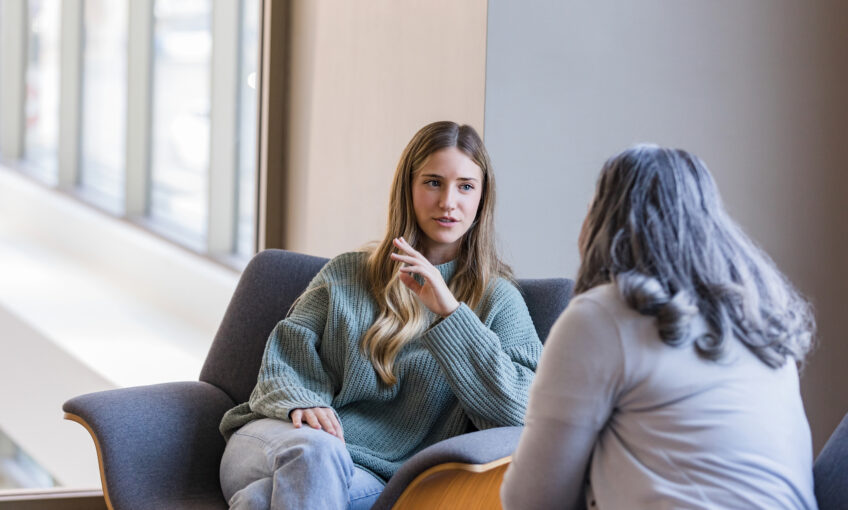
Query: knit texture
{"x": 468, "y": 367}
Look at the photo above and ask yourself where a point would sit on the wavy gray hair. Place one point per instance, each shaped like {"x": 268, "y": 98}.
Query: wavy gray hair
{"x": 657, "y": 229}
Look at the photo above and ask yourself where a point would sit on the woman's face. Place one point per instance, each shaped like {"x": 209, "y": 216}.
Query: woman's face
{"x": 446, "y": 193}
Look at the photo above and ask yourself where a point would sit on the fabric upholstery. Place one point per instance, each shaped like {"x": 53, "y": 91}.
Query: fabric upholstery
{"x": 159, "y": 445}
{"x": 268, "y": 286}
{"x": 831, "y": 470}
{"x": 546, "y": 299}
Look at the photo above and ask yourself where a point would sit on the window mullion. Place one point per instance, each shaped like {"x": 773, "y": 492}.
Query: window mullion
{"x": 13, "y": 57}
{"x": 139, "y": 97}
{"x": 70, "y": 81}
{"x": 224, "y": 124}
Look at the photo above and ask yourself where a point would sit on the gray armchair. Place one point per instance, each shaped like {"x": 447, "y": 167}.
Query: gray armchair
{"x": 831, "y": 470}
{"x": 159, "y": 446}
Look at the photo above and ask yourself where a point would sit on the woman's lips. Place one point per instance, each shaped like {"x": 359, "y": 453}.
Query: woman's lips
{"x": 446, "y": 221}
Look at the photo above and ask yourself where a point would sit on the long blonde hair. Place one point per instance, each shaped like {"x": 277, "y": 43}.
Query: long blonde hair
{"x": 401, "y": 317}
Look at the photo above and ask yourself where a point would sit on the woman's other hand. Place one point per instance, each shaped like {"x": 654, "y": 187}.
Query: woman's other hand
{"x": 434, "y": 292}
{"x": 321, "y": 418}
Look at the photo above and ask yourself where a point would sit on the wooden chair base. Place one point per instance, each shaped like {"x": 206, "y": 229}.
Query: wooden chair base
{"x": 456, "y": 485}
{"x": 73, "y": 417}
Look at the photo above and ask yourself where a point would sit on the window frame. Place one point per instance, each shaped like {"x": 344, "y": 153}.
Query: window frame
{"x": 222, "y": 190}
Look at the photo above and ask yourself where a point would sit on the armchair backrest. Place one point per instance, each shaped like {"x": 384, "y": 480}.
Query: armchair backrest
{"x": 831, "y": 470}
{"x": 275, "y": 278}
{"x": 268, "y": 286}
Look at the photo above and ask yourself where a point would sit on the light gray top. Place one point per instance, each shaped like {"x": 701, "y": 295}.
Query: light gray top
{"x": 655, "y": 426}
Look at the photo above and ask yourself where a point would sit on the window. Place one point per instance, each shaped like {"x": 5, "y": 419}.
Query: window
{"x": 146, "y": 109}
{"x": 18, "y": 470}
{"x": 153, "y": 121}
{"x": 42, "y": 89}
{"x": 182, "y": 53}
{"x": 104, "y": 103}
{"x": 248, "y": 101}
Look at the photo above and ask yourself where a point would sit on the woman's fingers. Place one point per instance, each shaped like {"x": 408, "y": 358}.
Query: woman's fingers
{"x": 433, "y": 291}
{"x": 339, "y": 429}
{"x": 417, "y": 265}
{"x": 311, "y": 419}
{"x": 410, "y": 282}
{"x": 326, "y": 420}
{"x": 321, "y": 418}
{"x": 406, "y": 259}
{"x": 405, "y": 246}
{"x": 409, "y": 258}
{"x": 296, "y": 416}
{"x": 334, "y": 423}
{"x": 422, "y": 271}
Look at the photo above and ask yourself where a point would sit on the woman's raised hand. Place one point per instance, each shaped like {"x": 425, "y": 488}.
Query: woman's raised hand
{"x": 434, "y": 292}
{"x": 318, "y": 418}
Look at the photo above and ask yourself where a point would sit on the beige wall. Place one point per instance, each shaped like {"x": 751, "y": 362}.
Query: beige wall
{"x": 757, "y": 89}
{"x": 365, "y": 76}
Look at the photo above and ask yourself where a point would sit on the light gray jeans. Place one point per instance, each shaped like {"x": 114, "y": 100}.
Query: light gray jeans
{"x": 269, "y": 464}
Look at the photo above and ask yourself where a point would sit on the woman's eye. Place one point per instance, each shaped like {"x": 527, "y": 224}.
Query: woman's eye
{"x": 432, "y": 183}
{"x": 466, "y": 187}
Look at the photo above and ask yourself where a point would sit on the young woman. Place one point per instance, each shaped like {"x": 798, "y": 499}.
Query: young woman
{"x": 670, "y": 381}
{"x": 392, "y": 350}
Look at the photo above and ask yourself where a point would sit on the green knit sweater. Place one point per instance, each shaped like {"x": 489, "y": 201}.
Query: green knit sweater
{"x": 466, "y": 367}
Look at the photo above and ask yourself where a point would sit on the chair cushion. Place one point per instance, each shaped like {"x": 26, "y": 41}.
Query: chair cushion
{"x": 831, "y": 470}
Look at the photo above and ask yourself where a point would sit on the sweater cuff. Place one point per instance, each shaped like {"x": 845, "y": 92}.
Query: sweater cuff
{"x": 281, "y": 401}
{"x": 456, "y": 332}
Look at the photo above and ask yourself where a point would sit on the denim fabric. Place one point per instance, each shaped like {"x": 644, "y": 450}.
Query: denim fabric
{"x": 270, "y": 464}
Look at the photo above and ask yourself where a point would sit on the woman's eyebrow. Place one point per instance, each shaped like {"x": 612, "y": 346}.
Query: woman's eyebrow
{"x": 458, "y": 178}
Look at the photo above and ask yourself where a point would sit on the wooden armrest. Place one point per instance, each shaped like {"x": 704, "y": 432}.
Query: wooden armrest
{"x": 73, "y": 417}
{"x": 456, "y": 485}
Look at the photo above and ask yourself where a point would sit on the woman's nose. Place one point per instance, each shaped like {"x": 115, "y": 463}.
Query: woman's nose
{"x": 448, "y": 199}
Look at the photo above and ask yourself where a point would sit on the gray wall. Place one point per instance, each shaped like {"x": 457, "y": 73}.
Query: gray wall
{"x": 757, "y": 89}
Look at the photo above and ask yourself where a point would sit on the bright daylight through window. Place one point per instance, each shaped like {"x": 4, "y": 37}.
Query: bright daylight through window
{"x": 140, "y": 111}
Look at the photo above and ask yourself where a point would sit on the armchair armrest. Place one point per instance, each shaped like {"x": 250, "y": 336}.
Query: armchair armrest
{"x": 470, "y": 464}
{"x": 830, "y": 470}
{"x": 158, "y": 446}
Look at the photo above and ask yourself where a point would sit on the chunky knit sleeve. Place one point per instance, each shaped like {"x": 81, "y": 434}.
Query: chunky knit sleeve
{"x": 292, "y": 375}
{"x": 489, "y": 363}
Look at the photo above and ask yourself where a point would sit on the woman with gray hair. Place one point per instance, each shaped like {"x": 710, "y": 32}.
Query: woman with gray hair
{"x": 671, "y": 380}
